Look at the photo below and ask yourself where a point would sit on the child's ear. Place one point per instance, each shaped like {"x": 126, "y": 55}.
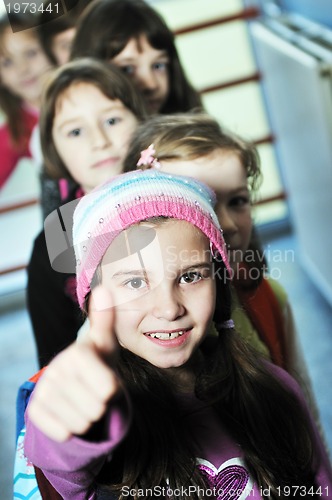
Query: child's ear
{"x": 58, "y": 227}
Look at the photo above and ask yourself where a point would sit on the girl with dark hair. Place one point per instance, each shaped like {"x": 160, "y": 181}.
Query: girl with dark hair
{"x": 89, "y": 112}
{"x": 132, "y": 35}
{"x": 56, "y": 34}
{"x": 23, "y": 65}
{"x": 147, "y": 404}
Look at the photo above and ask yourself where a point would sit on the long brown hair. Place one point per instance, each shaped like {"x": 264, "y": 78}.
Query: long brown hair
{"x": 106, "y": 27}
{"x": 106, "y": 77}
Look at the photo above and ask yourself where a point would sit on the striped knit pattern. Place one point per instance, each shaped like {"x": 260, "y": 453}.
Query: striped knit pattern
{"x": 129, "y": 199}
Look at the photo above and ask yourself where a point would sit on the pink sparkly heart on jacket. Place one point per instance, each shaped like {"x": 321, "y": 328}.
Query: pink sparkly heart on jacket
{"x": 231, "y": 481}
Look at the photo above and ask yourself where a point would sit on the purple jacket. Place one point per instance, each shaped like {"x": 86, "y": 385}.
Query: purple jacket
{"x": 72, "y": 466}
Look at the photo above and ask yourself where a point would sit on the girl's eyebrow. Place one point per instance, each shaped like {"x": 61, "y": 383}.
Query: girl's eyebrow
{"x": 199, "y": 265}
{"x": 130, "y": 272}
{"x": 144, "y": 272}
{"x": 237, "y": 190}
{"x": 240, "y": 188}
{"x": 127, "y": 59}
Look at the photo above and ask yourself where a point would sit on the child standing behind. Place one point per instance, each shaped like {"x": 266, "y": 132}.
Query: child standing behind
{"x": 89, "y": 112}
{"x": 148, "y": 404}
{"x": 23, "y": 65}
{"x": 56, "y": 35}
{"x": 195, "y": 145}
{"x": 132, "y": 35}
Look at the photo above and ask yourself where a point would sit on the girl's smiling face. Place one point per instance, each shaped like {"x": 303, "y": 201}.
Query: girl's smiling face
{"x": 91, "y": 134}
{"x": 164, "y": 294}
{"x": 23, "y": 65}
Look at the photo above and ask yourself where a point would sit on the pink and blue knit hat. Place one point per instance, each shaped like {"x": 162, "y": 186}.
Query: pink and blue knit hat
{"x": 131, "y": 198}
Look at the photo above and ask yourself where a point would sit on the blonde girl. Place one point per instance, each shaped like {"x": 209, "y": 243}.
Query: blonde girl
{"x": 195, "y": 145}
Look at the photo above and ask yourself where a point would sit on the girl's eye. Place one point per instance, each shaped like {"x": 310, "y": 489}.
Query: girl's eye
{"x": 112, "y": 121}
{"x": 6, "y": 63}
{"x": 31, "y": 53}
{"x": 191, "y": 277}
{"x": 136, "y": 284}
{"x": 239, "y": 201}
{"x": 160, "y": 66}
{"x": 128, "y": 70}
{"x": 75, "y": 133}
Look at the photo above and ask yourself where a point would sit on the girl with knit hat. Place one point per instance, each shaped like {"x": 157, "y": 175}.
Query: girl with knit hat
{"x": 148, "y": 404}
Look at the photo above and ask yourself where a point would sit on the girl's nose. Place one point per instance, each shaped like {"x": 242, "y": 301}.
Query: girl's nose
{"x": 146, "y": 80}
{"x": 99, "y": 137}
{"x": 167, "y": 304}
{"x": 227, "y": 222}
{"x": 23, "y": 66}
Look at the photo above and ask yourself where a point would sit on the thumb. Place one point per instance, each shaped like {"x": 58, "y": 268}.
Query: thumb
{"x": 101, "y": 316}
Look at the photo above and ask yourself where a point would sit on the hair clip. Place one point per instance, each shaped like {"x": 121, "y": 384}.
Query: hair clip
{"x": 147, "y": 158}
{"x": 226, "y": 325}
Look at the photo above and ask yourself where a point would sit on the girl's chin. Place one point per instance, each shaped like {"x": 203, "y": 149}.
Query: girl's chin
{"x": 169, "y": 365}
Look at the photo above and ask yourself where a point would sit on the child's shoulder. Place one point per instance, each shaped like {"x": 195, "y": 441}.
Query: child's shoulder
{"x": 23, "y": 396}
{"x": 3, "y": 119}
{"x": 287, "y": 380}
{"x": 278, "y": 290}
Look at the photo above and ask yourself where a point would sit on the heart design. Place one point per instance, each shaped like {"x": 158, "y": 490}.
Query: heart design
{"x": 231, "y": 481}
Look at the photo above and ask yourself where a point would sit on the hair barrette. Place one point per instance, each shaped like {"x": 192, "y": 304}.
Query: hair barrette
{"x": 229, "y": 323}
{"x": 147, "y": 158}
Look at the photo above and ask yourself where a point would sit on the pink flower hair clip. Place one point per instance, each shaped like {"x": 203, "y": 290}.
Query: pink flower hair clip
{"x": 147, "y": 158}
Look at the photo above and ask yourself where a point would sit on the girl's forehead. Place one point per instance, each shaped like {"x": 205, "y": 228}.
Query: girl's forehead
{"x": 78, "y": 89}
{"x": 194, "y": 165}
{"x": 11, "y": 42}
{"x": 174, "y": 241}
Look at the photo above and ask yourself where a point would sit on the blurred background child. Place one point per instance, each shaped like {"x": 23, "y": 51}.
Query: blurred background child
{"x": 89, "y": 112}
{"x": 195, "y": 145}
{"x": 57, "y": 34}
{"x": 132, "y": 35}
{"x": 23, "y": 65}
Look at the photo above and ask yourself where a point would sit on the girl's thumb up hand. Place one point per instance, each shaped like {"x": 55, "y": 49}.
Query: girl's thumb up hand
{"x": 101, "y": 316}
{"x": 78, "y": 385}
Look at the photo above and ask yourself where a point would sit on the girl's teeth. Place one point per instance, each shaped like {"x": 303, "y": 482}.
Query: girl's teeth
{"x": 166, "y": 336}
